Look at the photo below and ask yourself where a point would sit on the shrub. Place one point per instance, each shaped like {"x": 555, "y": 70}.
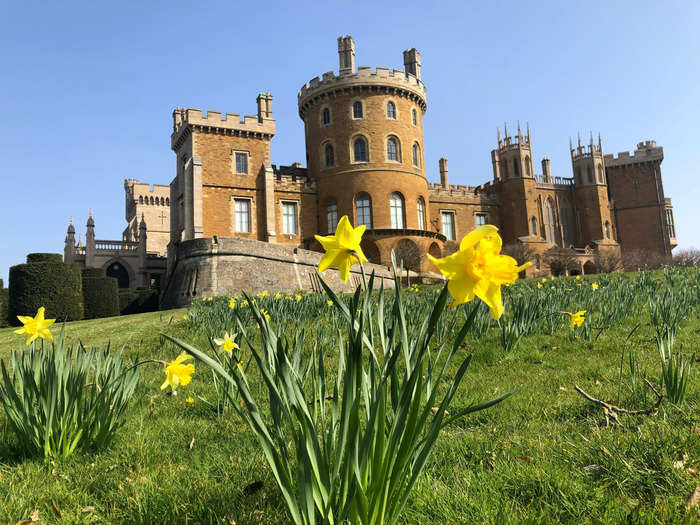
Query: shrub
{"x": 44, "y": 257}
{"x": 4, "y": 297}
{"x": 100, "y": 296}
{"x": 56, "y": 286}
{"x": 93, "y": 273}
{"x": 138, "y": 301}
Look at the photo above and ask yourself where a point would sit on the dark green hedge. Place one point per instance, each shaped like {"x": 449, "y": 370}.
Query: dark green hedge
{"x": 44, "y": 258}
{"x": 94, "y": 273}
{"x": 56, "y": 286}
{"x": 100, "y": 296}
{"x": 4, "y": 296}
{"x": 138, "y": 301}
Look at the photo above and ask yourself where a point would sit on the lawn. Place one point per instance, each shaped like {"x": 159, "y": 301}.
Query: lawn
{"x": 542, "y": 455}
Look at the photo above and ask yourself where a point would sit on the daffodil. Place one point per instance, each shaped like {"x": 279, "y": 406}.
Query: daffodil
{"x": 578, "y": 277}
{"x": 267, "y": 315}
{"x": 479, "y": 269}
{"x": 330, "y": 303}
{"x": 298, "y": 297}
{"x": 227, "y": 343}
{"x": 35, "y": 326}
{"x": 342, "y": 249}
{"x": 539, "y": 285}
{"x": 544, "y": 279}
{"x": 177, "y": 373}
{"x": 184, "y": 317}
{"x": 551, "y": 278}
{"x": 190, "y": 399}
{"x": 594, "y": 286}
{"x": 576, "y": 319}
{"x": 232, "y": 303}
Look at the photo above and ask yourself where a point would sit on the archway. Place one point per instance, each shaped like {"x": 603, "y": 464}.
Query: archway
{"x": 434, "y": 250}
{"x": 117, "y": 270}
{"x": 371, "y": 251}
{"x": 408, "y": 254}
{"x": 589, "y": 268}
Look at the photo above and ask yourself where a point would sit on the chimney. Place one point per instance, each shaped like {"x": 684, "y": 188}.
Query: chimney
{"x": 346, "y": 54}
{"x": 443, "y": 172}
{"x": 264, "y": 101}
{"x": 411, "y": 62}
{"x": 546, "y": 170}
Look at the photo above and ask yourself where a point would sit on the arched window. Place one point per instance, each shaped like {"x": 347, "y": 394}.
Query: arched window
{"x": 162, "y": 201}
{"x": 151, "y": 200}
{"x": 331, "y": 217}
{"x": 363, "y": 210}
{"x": 600, "y": 174}
{"x": 397, "y": 211}
{"x": 140, "y": 199}
{"x": 549, "y": 220}
{"x": 421, "y": 213}
{"x": 391, "y": 110}
{"x": 516, "y": 168}
{"x": 527, "y": 165}
{"x": 414, "y": 117}
{"x": 329, "y": 156}
{"x": 607, "y": 229}
{"x": 566, "y": 220}
{"x": 533, "y": 226}
{"x": 326, "y": 116}
{"x": 167, "y": 201}
{"x": 589, "y": 171}
{"x": 357, "y": 109}
{"x": 416, "y": 155}
{"x": 359, "y": 148}
{"x": 392, "y": 149}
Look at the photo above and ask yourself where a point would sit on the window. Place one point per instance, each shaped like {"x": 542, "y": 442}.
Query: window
{"x": 360, "y": 150}
{"x": 357, "y": 109}
{"x": 527, "y": 165}
{"x": 589, "y": 171}
{"x": 396, "y": 207}
{"x": 363, "y": 210}
{"x": 289, "y": 218}
{"x": 391, "y": 110}
{"x": 140, "y": 199}
{"x": 566, "y": 220}
{"x": 331, "y": 217}
{"x": 516, "y": 168}
{"x": 392, "y": 149}
{"x": 481, "y": 219}
{"x": 330, "y": 156}
{"x": 448, "y": 225}
{"x": 421, "y": 214}
{"x": 242, "y": 207}
{"x": 670, "y": 224}
{"x": 151, "y": 200}
{"x": 533, "y": 226}
{"x": 414, "y": 117}
{"x": 241, "y": 162}
{"x": 416, "y": 155}
{"x": 326, "y": 116}
{"x": 607, "y": 229}
{"x": 600, "y": 174}
{"x": 549, "y": 220}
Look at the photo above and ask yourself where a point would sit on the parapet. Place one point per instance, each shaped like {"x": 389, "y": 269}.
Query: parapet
{"x": 293, "y": 178}
{"x": 228, "y": 122}
{"x": 646, "y": 151}
{"x": 460, "y": 193}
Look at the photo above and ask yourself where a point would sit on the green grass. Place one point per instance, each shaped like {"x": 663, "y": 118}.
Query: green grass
{"x": 544, "y": 455}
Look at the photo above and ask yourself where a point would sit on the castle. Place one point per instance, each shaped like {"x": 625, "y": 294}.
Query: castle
{"x": 231, "y": 212}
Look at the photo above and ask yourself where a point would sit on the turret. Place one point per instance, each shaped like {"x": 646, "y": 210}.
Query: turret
{"x": 546, "y": 170}
{"x": 512, "y": 159}
{"x": 69, "y": 248}
{"x": 346, "y": 55}
{"x": 411, "y": 62}
{"x": 90, "y": 242}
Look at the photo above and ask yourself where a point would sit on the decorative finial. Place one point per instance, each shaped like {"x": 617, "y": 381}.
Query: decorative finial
{"x": 591, "y": 138}
{"x": 71, "y": 219}
{"x": 571, "y": 145}
{"x": 90, "y": 212}
{"x": 528, "y": 132}
{"x": 505, "y": 130}
{"x": 579, "y": 140}
{"x": 600, "y": 144}
{"x": 520, "y": 135}
{"x": 498, "y": 133}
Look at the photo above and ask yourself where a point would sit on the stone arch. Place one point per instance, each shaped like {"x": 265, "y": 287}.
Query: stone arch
{"x": 434, "y": 250}
{"x": 371, "y": 251}
{"x": 408, "y": 254}
{"x": 590, "y": 267}
{"x": 121, "y": 271}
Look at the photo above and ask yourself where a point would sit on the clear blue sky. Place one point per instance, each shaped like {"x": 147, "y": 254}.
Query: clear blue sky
{"x": 87, "y": 90}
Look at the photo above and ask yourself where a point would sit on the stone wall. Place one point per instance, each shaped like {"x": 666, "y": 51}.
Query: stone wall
{"x": 230, "y": 266}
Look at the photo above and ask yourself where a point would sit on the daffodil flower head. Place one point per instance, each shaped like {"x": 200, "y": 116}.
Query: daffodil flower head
{"x": 232, "y": 303}
{"x": 343, "y": 248}
{"x": 298, "y": 297}
{"x": 578, "y": 277}
{"x": 539, "y": 285}
{"x": 227, "y": 343}
{"x": 177, "y": 373}
{"x": 594, "y": 286}
{"x": 35, "y": 326}
{"x": 576, "y": 319}
{"x": 330, "y": 303}
{"x": 479, "y": 269}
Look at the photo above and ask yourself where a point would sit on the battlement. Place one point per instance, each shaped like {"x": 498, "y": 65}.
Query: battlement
{"x": 586, "y": 151}
{"x": 294, "y": 178}
{"x": 646, "y": 151}
{"x": 182, "y": 118}
{"x": 479, "y": 193}
{"x": 133, "y": 186}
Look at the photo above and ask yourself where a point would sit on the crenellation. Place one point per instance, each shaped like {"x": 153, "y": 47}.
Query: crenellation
{"x": 219, "y": 120}
{"x": 646, "y": 151}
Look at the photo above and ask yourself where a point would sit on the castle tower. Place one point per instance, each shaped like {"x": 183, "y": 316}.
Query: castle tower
{"x": 69, "y": 248}
{"x": 591, "y": 193}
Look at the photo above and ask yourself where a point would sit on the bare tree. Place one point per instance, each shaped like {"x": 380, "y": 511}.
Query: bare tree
{"x": 635, "y": 260}
{"x": 687, "y": 257}
{"x": 607, "y": 262}
{"x": 520, "y": 252}
{"x": 561, "y": 259}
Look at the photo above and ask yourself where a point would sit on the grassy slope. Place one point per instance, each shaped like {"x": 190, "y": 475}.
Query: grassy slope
{"x": 543, "y": 455}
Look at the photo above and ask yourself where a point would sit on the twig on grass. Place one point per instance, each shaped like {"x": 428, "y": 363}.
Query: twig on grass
{"x": 611, "y": 411}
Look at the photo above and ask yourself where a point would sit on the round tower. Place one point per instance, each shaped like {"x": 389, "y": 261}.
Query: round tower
{"x": 364, "y": 147}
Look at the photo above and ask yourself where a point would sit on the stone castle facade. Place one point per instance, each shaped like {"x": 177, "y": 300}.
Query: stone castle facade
{"x": 365, "y": 159}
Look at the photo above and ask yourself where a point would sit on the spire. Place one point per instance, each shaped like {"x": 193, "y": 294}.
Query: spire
{"x": 80, "y": 241}
{"x": 505, "y": 130}
{"x": 520, "y": 135}
{"x": 528, "y": 133}
{"x": 71, "y": 228}
{"x": 591, "y": 140}
{"x": 579, "y": 140}
{"x": 600, "y": 144}
{"x": 498, "y": 134}
{"x": 90, "y": 221}
{"x": 571, "y": 145}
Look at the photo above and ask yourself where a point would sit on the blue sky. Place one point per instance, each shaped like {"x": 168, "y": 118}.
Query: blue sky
{"x": 88, "y": 89}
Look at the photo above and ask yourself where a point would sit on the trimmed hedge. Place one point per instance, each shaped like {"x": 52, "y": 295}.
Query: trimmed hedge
{"x": 4, "y": 297}
{"x": 93, "y": 273}
{"x": 138, "y": 301}
{"x": 100, "y": 296}
{"x": 56, "y": 286}
{"x": 44, "y": 257}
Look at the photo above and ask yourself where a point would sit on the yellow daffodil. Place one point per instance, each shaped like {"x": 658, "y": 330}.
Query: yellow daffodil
{"x": 227, "y": 343}
{"x": 278, "y": 295}
{"x": 245, "y": 303}
{"x": 479, "y": 269}
{"x": 577, "y": 319}
{"x": 177, "y": 373}
{"x": 539, "y": 285}
{"x": 594, "y": 286}
{"x": 190, "y": 399}
{"x": 267, "y": 315}
{"x": 232, "y": 303}
{"x": 35, "y": 326}
{"x": 551, "y": 278}
{"x": 578, "y": 277}
{"x": 342, "y": 249}
{"x": 298, "y": 297}
{"x": 330, "y": 303}
{"x": 184, "y": 317}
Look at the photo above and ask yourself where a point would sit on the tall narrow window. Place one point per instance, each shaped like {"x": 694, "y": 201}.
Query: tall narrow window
{"x": 671, "y": 225}
{"x": 392, "y": 149}
{"x": 363, "y": 210}
{"x": 331, "y": 217}
{"x": 549, "y": 220}
{"x": 330, "y": 156}
{"x": 390, "y": 110}
{"x": 590, "y": 175}
{"x": 241, "y": 163}
{"x": 566, "y": 220}
{"x": 607, "y": 229}
{"x": 481, "y": 219}
{"x": 600, "y": 175}
{"x": 448, "y": 225}
{"x": 289, "y": 218}
{"x": 414, "y": 117}
{"x": 357, "y": 109}
{"x": 360, "y": 150}
{"x": 516, "y": 168}
{"x": 397, "y": 211}
{"x": 533, "y": 226}
{"x": 421, "y": 213}
{"x": 416, "y": 155}
{"x": 242, "y": 207}
{"x": 326, "y": 116}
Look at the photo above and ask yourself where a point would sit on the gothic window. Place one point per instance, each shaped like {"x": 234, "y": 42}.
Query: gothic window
{"x": 241, "y": 163}
{"x": 448, "y": 225}
{"x": 363, "y": 210}
{"x": 167, "y": 201}
{"x": 140, "y": 199}
{"x": 242, "y": 208}
{"x": 329, "y": 156}
{"x": 549, "y": 221}
{"x": 566, "y": 220}
{"x": 151, "y": 200}
{"x": 414, "y": 117}
{"x": 360, "y": 150}
{"x": 533, "y": 226}
{"x": 393, "y": 151}
{"x": 421, "y": 213}
{"x": 481, "y": 219}
{"x": 289, "y": 218}
{"x": 516, "y": 168}
{"x": 589, "y": 172}
{"x": 397, "y": 211}
{"x": 416, "y": 155}
{"x": 607, "y": 229}
{"x": 331, "y": 217}
{"x": 527, "y": 165}
{"x": 600, "y": 175}
{"x": 326, "y": 116}
{"x": 391, "y": 110}
{"x": 357, "y": 109}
